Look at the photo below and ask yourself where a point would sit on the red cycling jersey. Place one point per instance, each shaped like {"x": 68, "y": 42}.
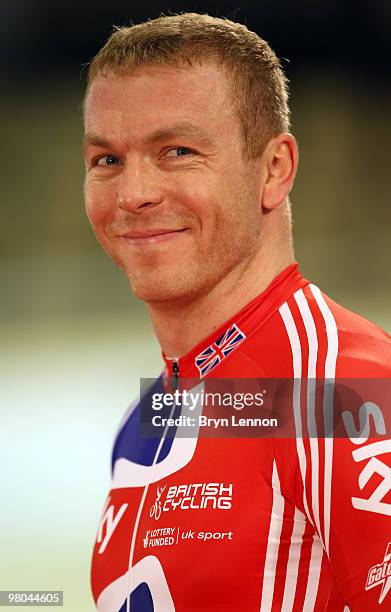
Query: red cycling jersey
{"x": 297, "y": 523}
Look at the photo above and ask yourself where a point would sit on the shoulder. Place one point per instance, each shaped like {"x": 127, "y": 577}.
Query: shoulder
{"x": 363, "y": 348}
{"x": 309, "y": 334}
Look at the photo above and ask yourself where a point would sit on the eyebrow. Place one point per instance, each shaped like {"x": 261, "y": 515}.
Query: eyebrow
{"x": 91, "y": 138}
{"x": 183, "y": 128}
{"x": 180, "y": 128}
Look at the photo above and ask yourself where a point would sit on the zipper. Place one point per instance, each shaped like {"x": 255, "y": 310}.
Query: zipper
{"x": 175, "y": 375}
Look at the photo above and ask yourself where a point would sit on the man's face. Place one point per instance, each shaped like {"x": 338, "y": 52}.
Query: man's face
{"x": 167, "y": 191}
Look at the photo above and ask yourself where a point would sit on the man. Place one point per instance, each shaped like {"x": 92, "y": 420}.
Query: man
{"x": 189, "y": 165}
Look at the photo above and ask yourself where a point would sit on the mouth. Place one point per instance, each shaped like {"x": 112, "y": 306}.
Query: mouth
{"x": 149, "y": 237}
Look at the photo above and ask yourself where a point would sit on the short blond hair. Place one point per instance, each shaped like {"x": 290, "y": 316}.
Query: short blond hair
{"x": 259, "y": 85}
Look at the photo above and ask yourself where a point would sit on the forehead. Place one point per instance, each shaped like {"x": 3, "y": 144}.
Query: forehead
{"x": 154, "y": 95}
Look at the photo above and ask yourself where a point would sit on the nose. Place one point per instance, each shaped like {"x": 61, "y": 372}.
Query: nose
{"x": 138, "y": 187}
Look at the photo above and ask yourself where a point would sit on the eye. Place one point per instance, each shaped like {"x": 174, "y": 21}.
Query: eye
{"x": 107, "y": 160}
{"x": 179, "y": 152}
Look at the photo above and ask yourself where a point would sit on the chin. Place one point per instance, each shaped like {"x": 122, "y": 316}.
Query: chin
{"x": 160, "y": 290}
{"x": 153, "y": 294}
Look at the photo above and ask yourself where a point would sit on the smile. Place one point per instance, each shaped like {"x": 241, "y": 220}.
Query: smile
{"x": 151, "y": 237}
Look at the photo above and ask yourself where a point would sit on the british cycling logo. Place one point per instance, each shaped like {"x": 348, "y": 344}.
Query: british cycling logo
{"x": 381, "y": 574}
{"x": 156, "y": 508}
{"x": 195, "y": 496}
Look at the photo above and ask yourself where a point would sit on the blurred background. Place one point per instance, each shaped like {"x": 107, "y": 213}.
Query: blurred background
{"x": 74, "y": 341}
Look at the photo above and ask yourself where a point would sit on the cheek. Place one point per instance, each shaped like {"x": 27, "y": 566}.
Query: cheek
{"x": 100, "y": 201}
{"x": 205, "y": 199}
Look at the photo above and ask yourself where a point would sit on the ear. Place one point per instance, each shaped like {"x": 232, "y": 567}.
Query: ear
{"x": 280, "y": 160}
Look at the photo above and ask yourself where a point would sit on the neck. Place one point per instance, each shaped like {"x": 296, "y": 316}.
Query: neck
{"x": 181, "y": 327}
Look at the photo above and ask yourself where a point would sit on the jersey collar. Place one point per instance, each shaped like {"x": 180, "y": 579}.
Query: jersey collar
{"x": 198, "y": 362}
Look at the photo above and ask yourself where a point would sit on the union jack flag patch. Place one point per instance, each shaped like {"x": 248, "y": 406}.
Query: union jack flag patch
{"x": 216, "y": 352}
